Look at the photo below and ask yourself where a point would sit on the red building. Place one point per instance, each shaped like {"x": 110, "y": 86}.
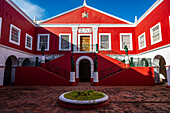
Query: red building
{"x": 85, "y": 33}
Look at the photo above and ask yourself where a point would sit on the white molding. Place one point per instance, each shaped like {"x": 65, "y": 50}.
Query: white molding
{"x": 17, "y": 50}
{"x": 20, "y": 11}
{"x": 131, "y": 43}
{"x": 143, "y": 34}
{"x": 154, "y": 6}
{"x": 27, "y": 35}
{"x": 85, "y": 25}
{"x": 109, "y": 34}
{"x": 60, "y": 49}
{"x": 19, "y": 34}
{"x": 74, "y": 38}
{"x": 0, "y": 26}
{"x": 169, "y": 21}
{"x": 91, "y": 65}
{"x": 79, "y": 35}
{"x": 151, "y": 33}
{"x": 39, "y": 41}
{"x": 109, "y": 15}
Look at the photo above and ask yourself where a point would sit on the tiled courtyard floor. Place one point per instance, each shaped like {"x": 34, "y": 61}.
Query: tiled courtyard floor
{"x": 15, "y": 99}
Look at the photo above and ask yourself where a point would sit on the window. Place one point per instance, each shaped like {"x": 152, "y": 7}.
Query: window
{"x": 142, "y": 41}
{"x": 28, "y": 42}
{"x": 64, "y": 41}
{"x": 126, "y": 39}
{"x": 104, "y": 41}
{"x": 0, "y": 26}
{"x": 156, "y": 35}
{"x": 43, "y": 39}
{"x": 14, "y": 35}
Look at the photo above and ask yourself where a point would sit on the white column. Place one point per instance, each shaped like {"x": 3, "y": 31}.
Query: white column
{"x": 77, "y": 70}
{"x": 95, "y": 31}
{"x": 2, "y": 68}
{"x": 43, "y": 59}
{"x": 92, "y": 74}
{"x": 96, "y": 78}
{"x": 168, "y": 76}
{"x": 74, "y": 38}
{"x": 13, "y": 74}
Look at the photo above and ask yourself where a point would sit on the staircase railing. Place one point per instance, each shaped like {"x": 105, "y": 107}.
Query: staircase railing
{"x": 110, "y": 71}
{"x": 57, "y": 70}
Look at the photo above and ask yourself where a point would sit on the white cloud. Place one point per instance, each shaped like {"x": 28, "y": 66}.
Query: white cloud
{"x": 30, "y": 9}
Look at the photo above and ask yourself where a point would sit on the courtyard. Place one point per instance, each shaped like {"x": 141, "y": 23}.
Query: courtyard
{"x": 122, "y": 99}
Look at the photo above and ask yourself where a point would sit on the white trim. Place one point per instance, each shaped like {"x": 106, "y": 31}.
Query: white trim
{"x": 79, "y": 35}
{"x": 17, "y": 50}
{"x": 143, "y": 34}
{"x": 169, "y": 21}
{"x": 39, "y": 41}
{"x": 90, "y": 8}
{"x": 100, "y": 34}
{"x": 85, "y": 25}
{"x": 0, "y": 26}
{"x": 91, "y": 65}
{"x": 60, "y": 49}
{"x": 160, "y": 33}
{"x": 27, "y": 35}
{"x": 20, "y": 11}
{"x": 19, "y": 34}
{"x": 154, "y": 6}
{"x": 131, "y": 43}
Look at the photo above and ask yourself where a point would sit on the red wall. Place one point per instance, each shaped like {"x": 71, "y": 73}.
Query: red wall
{"x": 76, "y": 17}
{"x": 135, "y": 76}
{"x": 160, "y": 14}
{"x": 11, "y": 16}
{"x": 35, "y": 76}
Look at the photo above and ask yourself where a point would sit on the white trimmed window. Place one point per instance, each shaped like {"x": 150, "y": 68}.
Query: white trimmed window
{"x": 28, "y": 41}
{"x": 142, "y": 41}
{"x": 156, "y": 35}
{"x": 0, "y": 26}
{"x": 126, "y": 39}
{"x": 43, "y": 39}
{"x": 14, "y": 36}
{"x": 65, "y": 42}
{"x": 104, "y": 41}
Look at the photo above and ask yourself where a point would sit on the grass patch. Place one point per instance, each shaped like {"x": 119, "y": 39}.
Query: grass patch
{"x": 84, "y": 95}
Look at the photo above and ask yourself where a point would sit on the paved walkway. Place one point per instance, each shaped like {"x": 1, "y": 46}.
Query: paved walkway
{"x": 16, "y": 99}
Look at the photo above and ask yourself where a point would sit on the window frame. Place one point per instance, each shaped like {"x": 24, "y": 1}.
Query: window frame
{"x": 100, "y": 34}
{"x": 143, "y": 34}
{"x": 151, "y": 33}
{"x": 69, "y": 49}
{"x": 27, "y": 35}
{"x": 0, "y": 26}
{"x": 39, "y": 41}
{"x": 19, "y": 35}
{"x": 131, "y": 43}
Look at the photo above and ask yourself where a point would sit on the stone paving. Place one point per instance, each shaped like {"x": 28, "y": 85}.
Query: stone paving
{"x": 15, "y": 99}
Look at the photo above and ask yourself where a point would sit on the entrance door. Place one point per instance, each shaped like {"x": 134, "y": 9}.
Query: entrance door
{"x": 84, "y": 71}
{"x": 7, "y": 73}
{"x": 84, "y": 43}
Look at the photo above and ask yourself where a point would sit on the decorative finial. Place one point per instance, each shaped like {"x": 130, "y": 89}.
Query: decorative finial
{"x": 85, "y": 4}
{"x": 136, "y": 19}
{"x": 34, "y": 18}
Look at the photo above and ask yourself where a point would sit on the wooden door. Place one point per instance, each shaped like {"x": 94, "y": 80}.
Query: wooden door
{"x": 84, "y": 43}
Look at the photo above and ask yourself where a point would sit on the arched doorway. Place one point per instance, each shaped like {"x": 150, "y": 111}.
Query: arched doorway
{"x": 84, "y": 71}
{"x": 160, "y": 61}
{"x": 9, "y": 72}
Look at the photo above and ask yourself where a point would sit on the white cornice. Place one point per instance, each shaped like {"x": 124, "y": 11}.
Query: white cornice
{"x": 20, "y": 11}
{"x": 85, "y": 25}
{"x": 7, "y": 47}
{"x": 155, "y": 5}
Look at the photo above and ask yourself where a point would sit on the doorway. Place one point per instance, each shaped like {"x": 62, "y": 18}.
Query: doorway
{"x": 85, "y": 43}
{"x": 84, "y": 71}
{"x": 8, "y": 71}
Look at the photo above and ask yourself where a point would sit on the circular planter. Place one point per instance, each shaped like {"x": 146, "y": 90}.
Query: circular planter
{"x": 87, "y": 104}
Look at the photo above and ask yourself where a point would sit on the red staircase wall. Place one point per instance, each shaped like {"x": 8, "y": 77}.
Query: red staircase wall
{"x": 134, "y": 76}
{"x": 35, "y": 76}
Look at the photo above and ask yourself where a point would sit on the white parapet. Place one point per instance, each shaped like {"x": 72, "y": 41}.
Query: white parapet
{"x": 72, "y": 77}
{"x": 96, "y": 77}
{"x": 43, "y": 59}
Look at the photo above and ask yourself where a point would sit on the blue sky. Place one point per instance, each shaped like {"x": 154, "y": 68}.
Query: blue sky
{"x": 125, "y": 9}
